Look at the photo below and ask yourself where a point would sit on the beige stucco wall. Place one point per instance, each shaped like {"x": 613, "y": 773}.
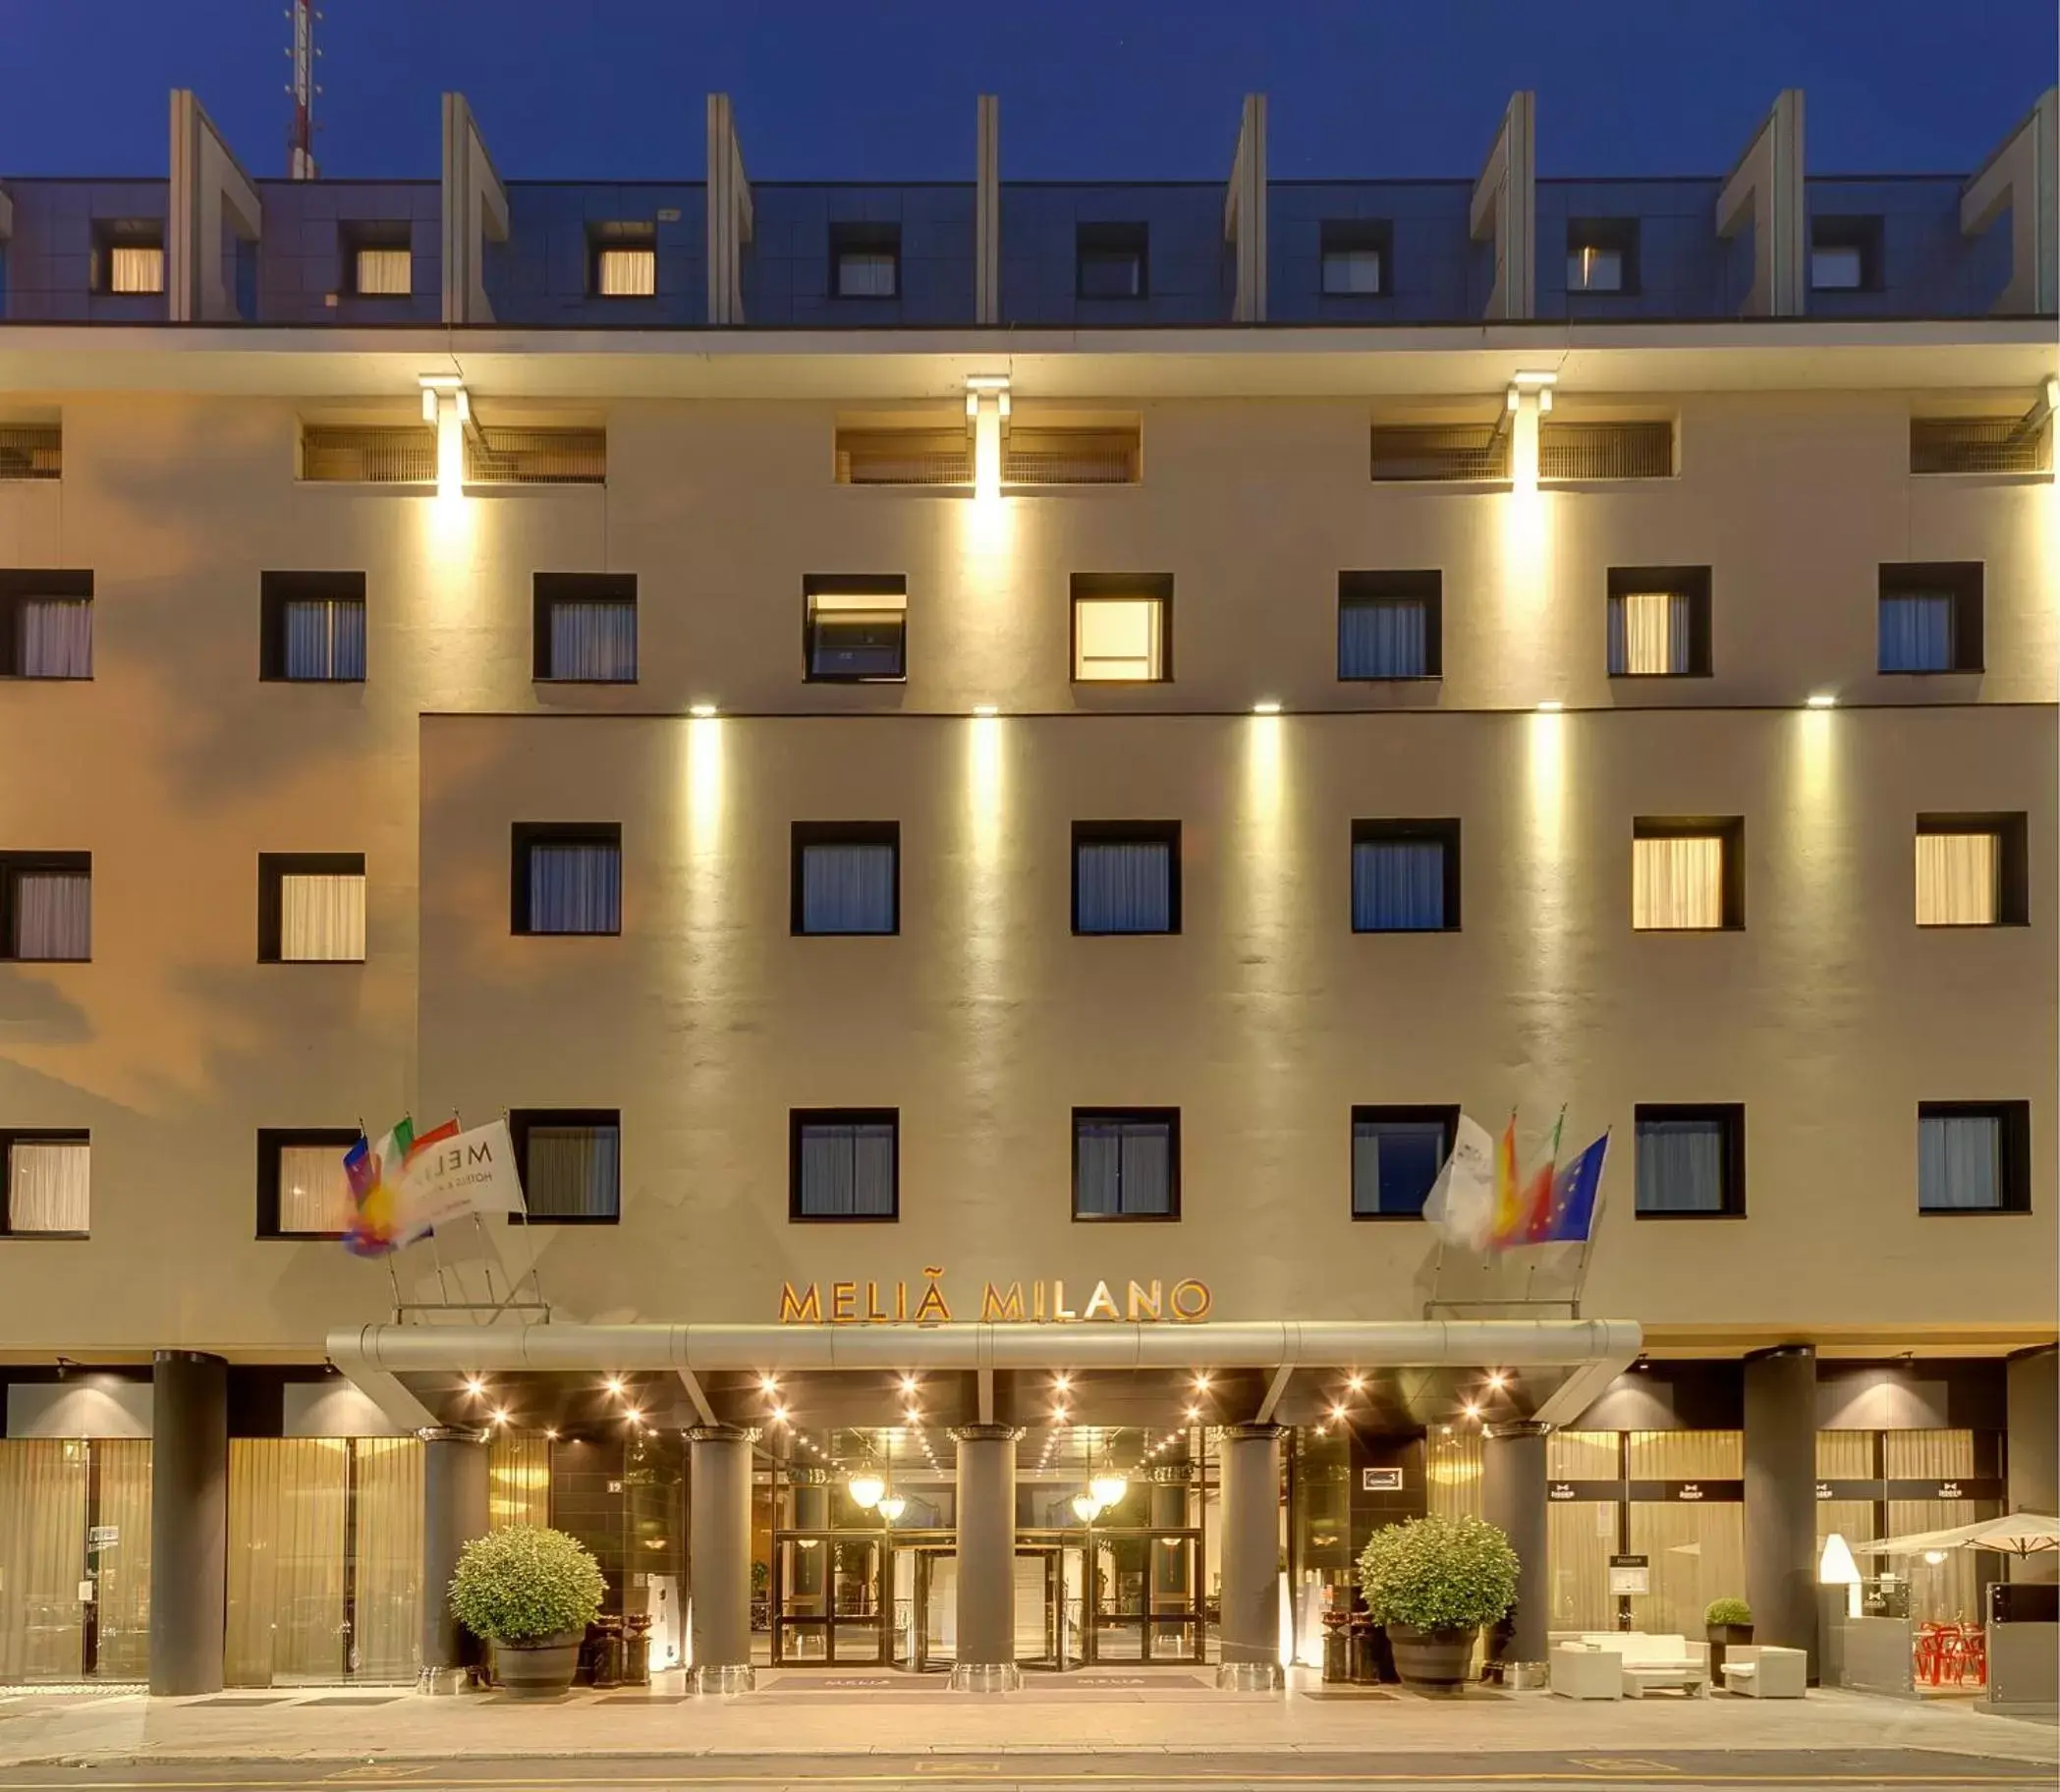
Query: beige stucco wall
{"x": 1831, "y": 1015}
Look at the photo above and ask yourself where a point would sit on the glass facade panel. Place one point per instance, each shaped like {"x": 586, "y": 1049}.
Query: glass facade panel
{"x": 1581, "y": 1534}
{"x": 1697, "y": 1552}
{"x": 1452, "y": 1473}
{"x": 43, "y": 1559}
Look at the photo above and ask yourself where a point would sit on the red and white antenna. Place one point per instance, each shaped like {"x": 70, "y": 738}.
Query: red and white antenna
{"x": 300, "y": 135}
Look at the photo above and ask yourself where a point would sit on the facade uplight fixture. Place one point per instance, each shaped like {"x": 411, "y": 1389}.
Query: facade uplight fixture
{"x": 1266, "y": 705}
{"x": 1550, "y": 709}
{"x": 1822, "y": 700}
{"x": 984, "y": 710}
{"x": 702, "y": 712}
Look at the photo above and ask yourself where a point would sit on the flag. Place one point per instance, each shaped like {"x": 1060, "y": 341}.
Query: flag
{"x": 374, "y": 1173}
{"x": 1534, "y": 1201}
{"x": 1462, "y": 1202}
{"x": 1508, "y": 1217}
{"x": 1571, "y": 1216}
{"x": 452, "y": 1174}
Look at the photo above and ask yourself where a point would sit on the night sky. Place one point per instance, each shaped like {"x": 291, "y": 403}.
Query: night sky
{"x": 1089, "y": 88}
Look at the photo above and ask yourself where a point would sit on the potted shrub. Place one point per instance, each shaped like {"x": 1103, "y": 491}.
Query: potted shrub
{"x": 531, "y": 1593}
{"x": 1726, "y": 1621}
{"x": 1433, "y": 1582}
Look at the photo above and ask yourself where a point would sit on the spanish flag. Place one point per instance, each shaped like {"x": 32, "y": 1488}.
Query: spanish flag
{"x": 1509, "y": 1214}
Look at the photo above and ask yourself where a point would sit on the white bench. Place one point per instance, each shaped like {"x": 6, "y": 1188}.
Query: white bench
{"x": 1760, "y": 1671}
{"x": 1655, "y": 1662}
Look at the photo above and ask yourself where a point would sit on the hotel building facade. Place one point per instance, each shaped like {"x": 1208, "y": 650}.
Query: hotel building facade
{"x": 982, "y": 770}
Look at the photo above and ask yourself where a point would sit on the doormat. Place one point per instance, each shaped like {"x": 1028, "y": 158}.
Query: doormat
{"x": 238, "y": 1705}
{"x": 647, "y": 1699}
{"x": 1095, "y": 1680}
{"x": 1365, "y": 1693}
{"x": 345, "y": 1702}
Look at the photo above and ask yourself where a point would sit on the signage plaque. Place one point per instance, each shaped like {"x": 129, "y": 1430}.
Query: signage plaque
{"x": 1630, "y": 1574}
{"x": 1186, "y": 1301}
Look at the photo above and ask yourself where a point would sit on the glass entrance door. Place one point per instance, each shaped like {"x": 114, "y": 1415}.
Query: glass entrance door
{"x": 1145, "y": 1597}
{"x": 827, "y": 1600}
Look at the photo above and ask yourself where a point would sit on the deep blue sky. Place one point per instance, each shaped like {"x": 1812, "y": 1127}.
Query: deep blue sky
{"x": 1090, "y": 88}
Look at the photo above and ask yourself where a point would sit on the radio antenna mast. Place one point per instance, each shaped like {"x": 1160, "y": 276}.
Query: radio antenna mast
{"x": 300, "y": 135}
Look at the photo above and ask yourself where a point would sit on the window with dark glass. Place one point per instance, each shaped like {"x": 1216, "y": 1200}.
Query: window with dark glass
{"x": 567, "y": 877}
{"x": 584, "y": 628}
{"x": 46, "y": 623}
{"x": 1126, "y": 1163}
{"x": 1395, "y": 1156}
{"x": 1404, "y": 876}
{"x": 855, "y": 627}
{"x": 1931, "y": 616}
{"x": 311, "y": 628}
{"x": 570, "y": 1160}
{"x": 1113, "y": 261}
{"x": 1845, "y": 255}
{"x": 302, "y": 1191}
{"x": 1690, "y": 1160}
{"x": 1391, "y": 625}
{"x": 847, "y": 878}
{"x": 46, "y": 907}
{"x": 1659, "y": 622}
{"x": 1126, "y": 878}
{"x": 45, "y": 1184}
{"x": 865, "y": 261}
{"x": 844, "y": 1163}
{"x": 1973, "y": 1157}
{"x": 1355, "y": 257}
{"x": 1602, "y": 255}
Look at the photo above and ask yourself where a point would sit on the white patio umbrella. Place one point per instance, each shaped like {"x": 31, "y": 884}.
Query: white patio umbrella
{"x": 2014, "y": 1533}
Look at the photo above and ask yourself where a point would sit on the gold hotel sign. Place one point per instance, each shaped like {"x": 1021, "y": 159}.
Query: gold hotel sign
{"x": 1038, "y": 1302}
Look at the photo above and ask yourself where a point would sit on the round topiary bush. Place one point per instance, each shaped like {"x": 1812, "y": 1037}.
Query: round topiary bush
{"x": 1733, "y": 1613}
{"x": 1438, "y": 1574}
{"x": 526, "y": 1585}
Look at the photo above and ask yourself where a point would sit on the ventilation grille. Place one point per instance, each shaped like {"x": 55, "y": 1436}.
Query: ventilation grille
{"x": 406, "y": 455}
{"x": 30, "y": 451}
{"x": 1440, "y": 451}
{"x": 1606, "y": 451}
{"x": 1028, "y": 457}
{"x": 358, "y": 456}
{"x": 536, "y": 457}
{"x": 1070, "y": 457}
{"x": 904, "y": 457}
{"x": 1980, "y": 444}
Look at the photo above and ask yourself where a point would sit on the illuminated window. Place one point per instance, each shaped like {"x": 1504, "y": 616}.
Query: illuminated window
{"x": 1658, "y": 621}
{"x": 1686, "y": 876}
{"x": 844, "y": 1163}
{"x": 1119, "y": 628}
{"x": 1395, "y": 1156}
{"x": 45, "y": 1184}
{"x": 1971, "y": 872}
{"x": 302, "y": 1190}
{"x": 854, "y": 628}
{"x": 1690, "y": 1160}
{"x": 571, "y": 1162}
{"x": 1355, "y": 257}
{"x": 1930, "y": 617}
{"x": 1845, "y": 255}
{"x": 130, "y": 258}
{"x": 310, "y": 908}
{"x": 1974, "y": 1157}
{"x": 1113, "y": 261}
{"x": 1390, "y": 625}
{"x": 584, "y": 628}
{"x": 46, "y": 907}
{"x": 385, "y": 273}
{"x": 625, "y": 273}
{"x": 1126, "y": 1163}
{"x": 1602, "y": 255}
{"x": 847, "y": 878}
{"x": 46, "y": 624}
{"x": 865, "y": 261}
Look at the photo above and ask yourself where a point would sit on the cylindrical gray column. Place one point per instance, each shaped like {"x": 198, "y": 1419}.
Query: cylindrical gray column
{"x": 1249, "y": 1636}
{"x": 455, "y": 1510}
{"x": 2032, "y": 1463}
{"x": 987, "y": 1650}
{"x": 719, "y": 1558}
{"x": 188, "y": 1520}
{"x": 1513, "y": 1501}
{"x": 1781, "y": 1497}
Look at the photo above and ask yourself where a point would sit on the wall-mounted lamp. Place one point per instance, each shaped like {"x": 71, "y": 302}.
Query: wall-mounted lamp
{"x": 1266, "y": 705}
{"x": 1822, "y": 700}
{"x": 701, "y": 711}
{"x": 987, "y": 416}
{"x": 447, "y": 406}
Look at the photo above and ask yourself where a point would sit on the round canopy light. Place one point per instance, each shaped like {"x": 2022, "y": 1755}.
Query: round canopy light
{"x": 890, "y": 1506}
{"x": 865, "y": 1488}
{"x": 1108, "y": 1486}
{"x": 1087, "y": 1508}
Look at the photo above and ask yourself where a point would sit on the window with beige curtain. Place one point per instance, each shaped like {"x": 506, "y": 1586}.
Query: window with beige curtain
{"x": 1580, "y": 1535}
{"x": 287, "y": 1503}
{"x": 1677, "y": 881}
{"x": 519, "y": 1479}
{"x": 1117, "y": 639}
{"x": 1959, "y": 881}
{"x": 385, "y": 273}
{"x": 321, "y": 917}
{"x": 1452, "y": 1464}
{"x": 387, "y": 1549}
{"x": 314, "y": 1193}
{"x": 1650, "y": 634}
{"x": 121, "y": 1563}
{"x": 627, "y": 273}
{"x": 49, "y": 1185}
{"x": 1687, "y": 1455}
{"x": 42, "y": 1558}
{"x": 1695, "y": 1552}
{"x": 137, "y": 268}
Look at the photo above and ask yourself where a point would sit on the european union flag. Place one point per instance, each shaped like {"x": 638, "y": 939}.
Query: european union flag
{"x": 1572, "y": 1211}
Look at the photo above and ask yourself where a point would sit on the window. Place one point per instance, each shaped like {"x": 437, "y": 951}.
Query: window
{"x": 1119, "y": 628}
{"x": 1659, "y": 622}
{"x": 45, "y": 1185}
{"x": 1931, "y": 617}
{"x": 1355, "y": 252}
{"x": 46, "y": 624}
{"x": 1126, "y": 876}
{"x": 1113, "y": 261}
{"x": 508, "y": 456}
{"x": 1602, "y": 255}
{"x": 1845, "y": 255}
{"x": 623, "y": 261}
{"x": 865, "y": 261}
{"x": 855, "y": 627}
{"x": 31, "y": 451}
{"x": 1972, "y": 872}
{"x": 1404, "y": 876}
{"x": 584, "y": 628}
{"x": 1573, "y": 449}
{"x": 1690, "y": 1160}
{"x": 311, "y": 628}
{"x": 567, "y": 877}
{"x": 1974, "y": 1157}
{"x": 1126, "y": 1163}
{"x": 310, "y": 908}
{"x": 1981, "y": 444}
{"x": 844, "y": 1163}
{"x": 1687, "y": 876}
{"x": 1395, "y": 1156}
{"x": 379, "y": 258}
{"x": 128, "y": 255}
{"x": 302, "y": 1189}
{"x": 571, "y": 1162}
{"x": 1390, "y": 625}
{"x": 847, "y": 878}
{"x": 46, "y": 907}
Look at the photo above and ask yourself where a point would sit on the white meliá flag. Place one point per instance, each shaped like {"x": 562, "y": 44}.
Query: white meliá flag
{"x": 467, "y": 1173}
{"x": 1462, "y": 1202}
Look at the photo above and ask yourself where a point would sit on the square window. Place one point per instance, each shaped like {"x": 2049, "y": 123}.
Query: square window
{"x": 1972, "y": 872}
{"x": 1126, "y": 878}
{"x": 46, "y": 907}
{"x": 45, "y": 1184}
{"x": 1404, "y": 876}
{"x": 1113, "y": 261}
{"x": 302, "y": 1191}
{"x": 128, "y": 255}
{"x": 1687, "y": 876}
{"x": 1356, "y": 254}
{"x": 1602, "y": 255}
{"x": 567, "y": 877}
{"x": 571, "y": 1162}
{"x": 1930, "y": 617}
{"x": 1974, "y": 1157}
{"x": 854, "y": 628}
{"x": 311, "y": 628}
{"x": 1659, "y": 622}
{"x": 584, "y": 628}
{"x": 1395, "y": 1156}
{"x": 1691, "y": 1161}
{"x": 865, "y": 261}
{"x": 847, "y": 878}
{"x": 1845, "y": 255}
{"x": 310, "y": 908}
{"x": 622, "y": 259}
{"x": 1126, "y": 1163}
{"x": 46, "y": 623}
{"x": 844, "y": 1163}
{"x": 1119, "y": 628}
{"x": 1391, "y": 625}
{"x": 384, "y": 272}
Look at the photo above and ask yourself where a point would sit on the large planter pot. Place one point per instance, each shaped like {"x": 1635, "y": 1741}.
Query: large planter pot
{"x": 1721, "y": 1634}
{"x": 1435, "y": 1661}
{"x": 537, "y": 1670}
